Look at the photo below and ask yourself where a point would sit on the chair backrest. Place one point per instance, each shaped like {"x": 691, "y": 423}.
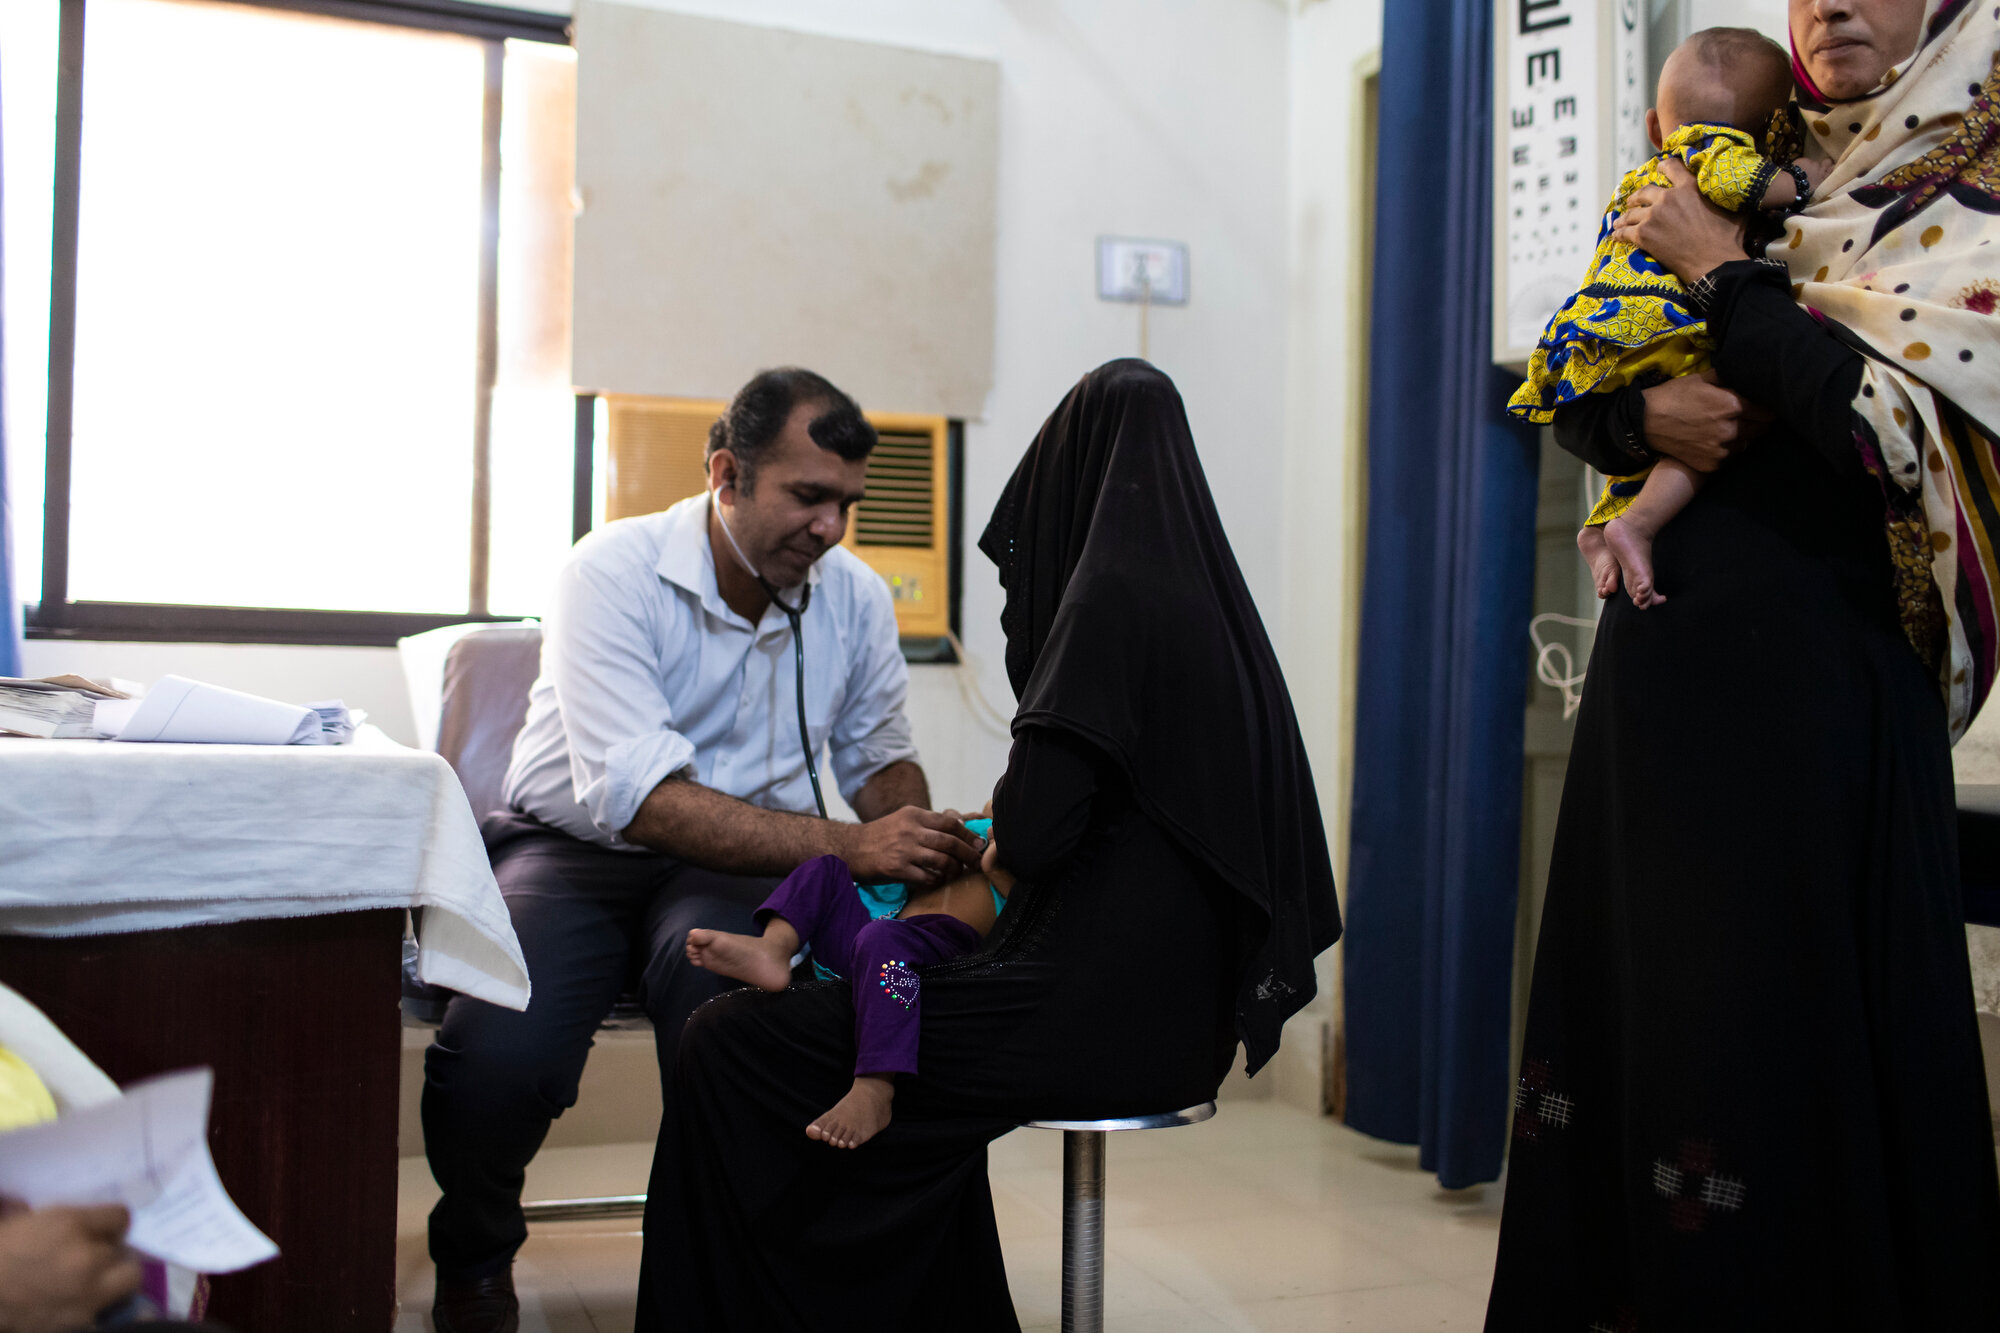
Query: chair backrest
{"x": 487, "y": 676}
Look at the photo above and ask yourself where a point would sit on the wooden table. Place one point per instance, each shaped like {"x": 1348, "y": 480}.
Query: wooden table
{"x": 298, "y": 1018}
{"x": 242, "y": 907}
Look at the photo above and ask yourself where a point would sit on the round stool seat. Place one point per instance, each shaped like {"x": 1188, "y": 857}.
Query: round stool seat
{"x": 1194, "y": 1115}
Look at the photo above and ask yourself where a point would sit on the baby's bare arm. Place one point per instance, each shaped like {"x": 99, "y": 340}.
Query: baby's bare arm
{"x": 1782, "y": 192}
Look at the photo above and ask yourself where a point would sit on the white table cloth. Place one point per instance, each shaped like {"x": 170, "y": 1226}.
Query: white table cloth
{"x": 102, "y": 837}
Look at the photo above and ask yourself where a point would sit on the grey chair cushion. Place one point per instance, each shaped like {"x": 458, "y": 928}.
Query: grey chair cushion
{"x": 487, "y": 676}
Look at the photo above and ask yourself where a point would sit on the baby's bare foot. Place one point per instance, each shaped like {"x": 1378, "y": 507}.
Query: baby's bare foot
{"x": 1634, "y": 550}
{"x": 743, "y": 957}
{"x": 1603, "y": 564}
{"x": 859, "y": 1116}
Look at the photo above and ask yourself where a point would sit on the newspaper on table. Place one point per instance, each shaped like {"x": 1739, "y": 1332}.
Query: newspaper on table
{"x": 147, "y": 1150}
{"x": 56, "y": 707}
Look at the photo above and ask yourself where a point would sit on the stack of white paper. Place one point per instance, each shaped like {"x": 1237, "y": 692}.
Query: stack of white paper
{"x": 179, "y": 709}
{"x": 59, "y": 707}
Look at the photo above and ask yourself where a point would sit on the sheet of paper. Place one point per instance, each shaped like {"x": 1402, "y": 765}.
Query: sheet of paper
{"x": 179, "y": 709}
{"x": 149, "y": 1151}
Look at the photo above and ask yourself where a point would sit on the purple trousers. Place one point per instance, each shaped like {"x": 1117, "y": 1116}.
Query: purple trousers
{"x": 878, "y": 957}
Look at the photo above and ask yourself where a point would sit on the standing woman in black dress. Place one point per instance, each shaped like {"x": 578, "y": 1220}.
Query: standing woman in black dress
{"x": 1751, "y": 1093}
{"x": 1174, "y": 890}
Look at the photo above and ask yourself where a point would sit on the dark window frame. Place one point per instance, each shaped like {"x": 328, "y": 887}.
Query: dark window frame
{"x": 56, "y": 615}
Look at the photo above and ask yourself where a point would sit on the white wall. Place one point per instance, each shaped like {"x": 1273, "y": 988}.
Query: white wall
{"x": 1767, "y": 16}
{"x": 1334, "y": 44}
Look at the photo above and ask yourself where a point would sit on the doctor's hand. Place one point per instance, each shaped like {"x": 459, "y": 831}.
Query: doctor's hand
{"x": 60, "y": 1266}
{"x": 913, "y": 846}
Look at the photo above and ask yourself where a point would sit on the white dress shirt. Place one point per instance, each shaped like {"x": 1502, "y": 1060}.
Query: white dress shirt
{"x": 646, "y": 673}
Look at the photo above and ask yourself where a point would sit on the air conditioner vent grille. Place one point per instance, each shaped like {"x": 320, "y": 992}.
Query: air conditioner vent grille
{"x": 901, "y": 506}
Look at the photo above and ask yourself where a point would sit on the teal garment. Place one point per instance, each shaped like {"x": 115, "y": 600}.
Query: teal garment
{"x": 888, "y": 899}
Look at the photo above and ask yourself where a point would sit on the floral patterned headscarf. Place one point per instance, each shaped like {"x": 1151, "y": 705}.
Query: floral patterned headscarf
{"x": 1896, "y": 254}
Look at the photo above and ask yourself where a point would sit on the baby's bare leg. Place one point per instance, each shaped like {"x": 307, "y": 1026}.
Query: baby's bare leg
{"x": 1603, "y": 564}
{"x": 859, "y": 1116}
{"x": 1668, "y": 490}
{"x": 765, "y": 963}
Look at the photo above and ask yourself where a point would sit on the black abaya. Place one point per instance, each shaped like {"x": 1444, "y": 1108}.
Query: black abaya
{"x": 1751, "y": 1092}
{"x": 1107, "y": 993}
{"x": 1114, "y": 983}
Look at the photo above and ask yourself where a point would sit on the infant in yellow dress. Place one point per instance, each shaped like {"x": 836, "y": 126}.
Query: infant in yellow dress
{"x": 1720, "y": 93}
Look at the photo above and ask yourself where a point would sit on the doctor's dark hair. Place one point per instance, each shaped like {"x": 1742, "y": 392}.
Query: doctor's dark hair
{"x": 751, "y": 426}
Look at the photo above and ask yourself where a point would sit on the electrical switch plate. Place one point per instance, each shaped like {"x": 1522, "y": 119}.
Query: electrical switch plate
{"x": 1138, "y": 270}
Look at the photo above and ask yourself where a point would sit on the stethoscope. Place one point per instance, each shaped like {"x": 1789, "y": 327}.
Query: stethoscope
{"x": 793, "y": 614}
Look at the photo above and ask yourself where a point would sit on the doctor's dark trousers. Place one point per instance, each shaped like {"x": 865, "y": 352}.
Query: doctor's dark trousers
{"x": 593, "y": 924}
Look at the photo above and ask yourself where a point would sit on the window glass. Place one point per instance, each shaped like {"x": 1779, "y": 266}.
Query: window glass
{"x": 28, "y": 37}
{"x": 533, "y": 448}
{"x": 277, "y": 309}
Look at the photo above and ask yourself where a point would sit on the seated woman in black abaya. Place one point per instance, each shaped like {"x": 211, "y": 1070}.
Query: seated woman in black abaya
{"x": 1173, "y": 890}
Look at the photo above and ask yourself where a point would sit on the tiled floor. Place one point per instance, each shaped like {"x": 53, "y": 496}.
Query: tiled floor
{"x": 1265, "y": 1218}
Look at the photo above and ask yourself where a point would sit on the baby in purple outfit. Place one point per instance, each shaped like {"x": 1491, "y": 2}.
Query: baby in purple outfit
{"x": 875, "y": 939}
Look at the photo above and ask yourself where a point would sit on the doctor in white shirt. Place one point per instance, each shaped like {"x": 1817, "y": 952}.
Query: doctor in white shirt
{"x": 659, "y": 784}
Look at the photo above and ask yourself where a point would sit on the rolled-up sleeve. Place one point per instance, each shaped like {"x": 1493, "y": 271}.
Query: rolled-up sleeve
{"x": 871, "y": 731}
{"x": 602, "y": 656}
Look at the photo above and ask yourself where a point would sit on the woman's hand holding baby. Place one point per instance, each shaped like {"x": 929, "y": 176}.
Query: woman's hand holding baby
{"x": 1697, "y": 421}
{"x": 1679, "y": 227}
{"x": 996, "y": 874}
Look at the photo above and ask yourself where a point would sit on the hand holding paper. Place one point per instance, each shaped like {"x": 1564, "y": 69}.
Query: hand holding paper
{"x": 148, "y": 1150}
{"x": 60, "y": 1266}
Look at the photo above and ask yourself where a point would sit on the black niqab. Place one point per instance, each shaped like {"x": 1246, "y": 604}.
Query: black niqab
{"x": 1128, "y": 623}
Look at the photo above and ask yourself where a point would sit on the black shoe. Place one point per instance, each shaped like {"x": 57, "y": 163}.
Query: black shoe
{"x": 482, "y": 1305}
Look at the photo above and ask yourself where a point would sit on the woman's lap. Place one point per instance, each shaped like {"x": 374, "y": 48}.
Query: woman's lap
{"x": 1098, "y": 1008}
{"x": 774, "y": 1230}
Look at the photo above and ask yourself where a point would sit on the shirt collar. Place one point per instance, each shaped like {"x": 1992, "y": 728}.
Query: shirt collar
{"x": 687, "y": 561}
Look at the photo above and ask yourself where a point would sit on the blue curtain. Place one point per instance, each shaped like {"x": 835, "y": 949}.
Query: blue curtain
{"x": 1434, "y": 857}
{"x": 10, "y": 604}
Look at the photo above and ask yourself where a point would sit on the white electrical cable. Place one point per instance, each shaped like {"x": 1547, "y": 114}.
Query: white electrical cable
{"x": 967, "y": 675}
{"x": 1555, "y": 664}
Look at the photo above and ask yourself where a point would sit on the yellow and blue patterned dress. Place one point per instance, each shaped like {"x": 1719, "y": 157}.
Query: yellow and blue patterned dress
{"x": 1630, "y": 322}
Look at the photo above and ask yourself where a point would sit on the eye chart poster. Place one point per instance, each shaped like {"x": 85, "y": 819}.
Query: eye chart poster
{"x": 1570, "y": 94}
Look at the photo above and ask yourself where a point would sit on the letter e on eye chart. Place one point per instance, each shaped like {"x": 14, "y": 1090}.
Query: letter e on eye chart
{"x": 1549, "y": 134}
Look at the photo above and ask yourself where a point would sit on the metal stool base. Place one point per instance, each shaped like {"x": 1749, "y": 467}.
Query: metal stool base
{"x": 585, "y": 1210}
{"x": 1083, "y": 1207}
